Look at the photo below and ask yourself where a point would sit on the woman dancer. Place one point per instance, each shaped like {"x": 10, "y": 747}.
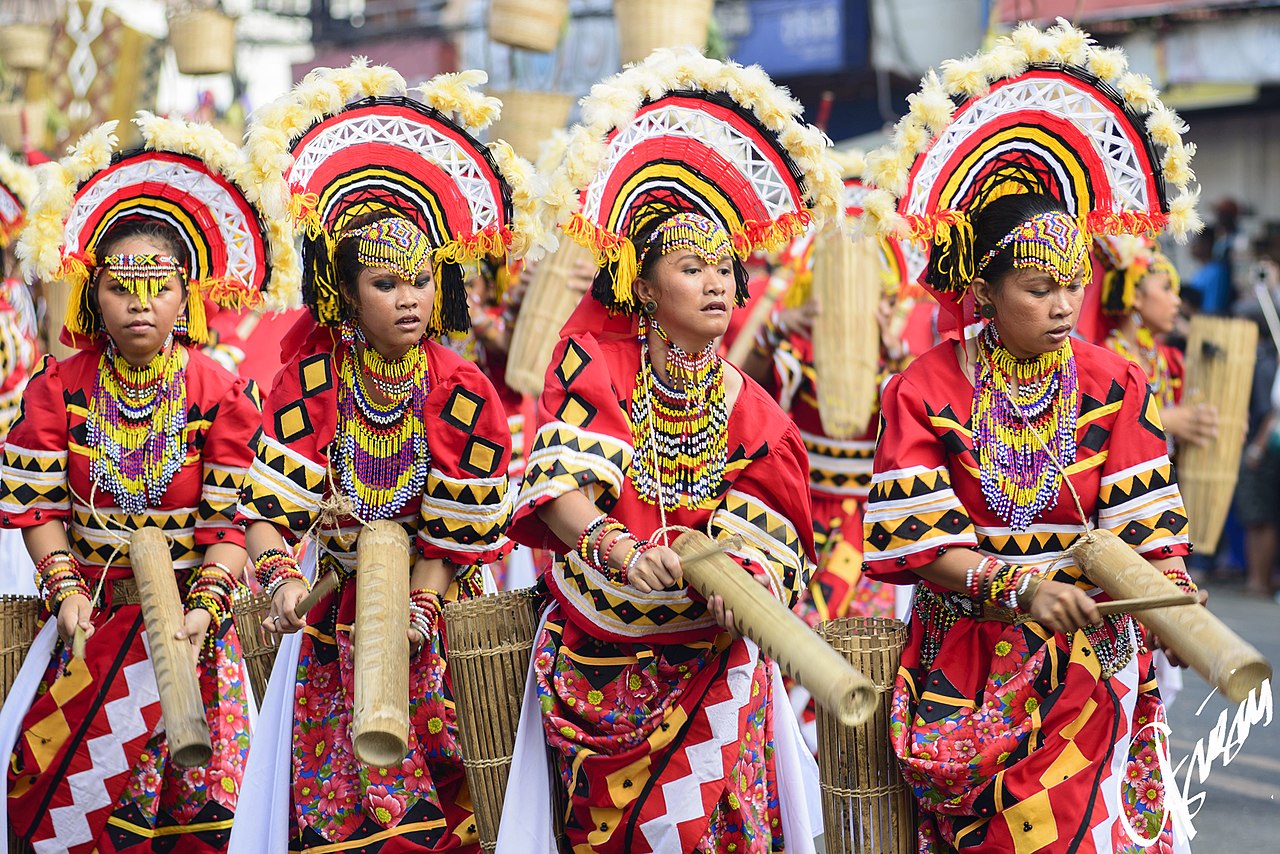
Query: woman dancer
{"x": 371, "y": 420}
{"x": 137, "y": 429}
{"x": 665, "y": 728}
{"x": 1023, "y": 719}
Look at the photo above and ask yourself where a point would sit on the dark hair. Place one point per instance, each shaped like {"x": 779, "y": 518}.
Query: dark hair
{"x": 451, "y": 289}
{"x": 148, "y": 228}
{"x": 602, "y": 285}
{"x": 999, "y": 217}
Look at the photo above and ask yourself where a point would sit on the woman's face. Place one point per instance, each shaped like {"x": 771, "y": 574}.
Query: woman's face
{"x": 1157, "y": 302}
{"x": 1034, "y": 314}
{"x": 695, "y": 299}
{"x": 394, "y": 312}
{"x": 139, "y": 333}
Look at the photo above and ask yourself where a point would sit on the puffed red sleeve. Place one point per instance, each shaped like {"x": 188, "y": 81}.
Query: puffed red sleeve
{"x": 912, "y": 510}
{"x": 228, "y": 452}
{"x": 770, "y": 509}
{"x": 286, "y": 479}
{"x": 1139, "y": 499}
{"x": 33, "y": 472}
{"x": 466, "y": 503}
{"x": 583, "y": 440}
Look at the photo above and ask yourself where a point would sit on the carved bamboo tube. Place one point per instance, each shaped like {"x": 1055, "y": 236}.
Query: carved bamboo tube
{"x": 380, "y": 719}
{"x": 185, "y": 723}
{"x": 784, "y": 637}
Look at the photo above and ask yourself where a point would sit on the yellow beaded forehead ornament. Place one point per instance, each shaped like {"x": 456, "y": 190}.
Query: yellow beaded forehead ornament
{"x": 692, "y": 233}
{"x": 394, "y": 243}
{"x": 143, "y": 274}
{"x": 1052, "y": 242}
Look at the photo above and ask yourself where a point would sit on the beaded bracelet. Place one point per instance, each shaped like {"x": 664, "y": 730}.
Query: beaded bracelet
{"x": 1179, "y": 576}
{"x": 585, "y": 536}
{"x": 58, "y": 578}
{"x": 424, "y": 613}
{"x": 267, "y": 560}
{"x": 608, "y": 550}
{"x": 633, "y": 558}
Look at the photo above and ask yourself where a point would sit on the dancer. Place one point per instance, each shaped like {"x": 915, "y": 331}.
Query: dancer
{"x": 138, "y": 429}
{"x": 371, "y": 420}
{"x": 1023, "y": 720}
{"x": 1140, "y": 299}
{"x": 664, "y": 727}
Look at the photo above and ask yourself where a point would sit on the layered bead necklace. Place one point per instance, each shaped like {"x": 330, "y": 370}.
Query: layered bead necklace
{"x": 380, "y": 452}
{"x": 1152, "y": 360}
{"x": 136, "y": 426}
{"x": 679, "y": 432}
{"x": 1024, "y": 435}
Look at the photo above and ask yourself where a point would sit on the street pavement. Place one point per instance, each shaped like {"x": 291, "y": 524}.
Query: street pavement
{"x": 1233, "y": 784}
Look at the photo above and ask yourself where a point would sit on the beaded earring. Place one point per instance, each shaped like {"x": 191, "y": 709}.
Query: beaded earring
{"x": 351, "y": 332}
{"x": 180, "y": 326}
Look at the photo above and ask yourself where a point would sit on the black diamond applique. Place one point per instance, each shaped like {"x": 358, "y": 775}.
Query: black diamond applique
{"x": 572, "y": 363}
{"x": 463, "y": 409}
{"x": 480, "y": 457}
{"x": 912, "y": 528}
{"x": 292, "y": 422}
{"x": 576, "y": 410}
{"x": 1095, "y": 438}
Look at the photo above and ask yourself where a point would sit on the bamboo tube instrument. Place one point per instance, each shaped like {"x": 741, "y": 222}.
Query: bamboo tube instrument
{"x": 380, "y": 719}
{"x": 1199, "y": 638}
{"x": 185, "y": 722}
{"x": 846, "y": 335}
{"x": 783, "y": 636}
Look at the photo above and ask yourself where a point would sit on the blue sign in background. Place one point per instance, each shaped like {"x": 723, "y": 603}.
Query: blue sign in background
{"x": 792, "y": 37}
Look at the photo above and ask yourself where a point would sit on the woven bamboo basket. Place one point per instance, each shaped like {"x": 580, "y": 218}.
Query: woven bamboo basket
{"x": 204, "y": 41}
{"x": 25, "y": 47}
{"x": 490, "y": 640}
{"x": 1220, "y": 360}
{"x": 532, "y": 24}
{"x": 644, "y": 25}
{"x": 258, "y": 647}
{"x": 866, "y": 805}
{"x": 528, "y": 118}
{"x": 846, "y": 339}
{"x": 546, "y": 307}
{"x": 18, "y": 618}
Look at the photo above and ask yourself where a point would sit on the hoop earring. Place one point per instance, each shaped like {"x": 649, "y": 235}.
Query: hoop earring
{"x": 650, "y": 307}
{"x": 988, "y": 311}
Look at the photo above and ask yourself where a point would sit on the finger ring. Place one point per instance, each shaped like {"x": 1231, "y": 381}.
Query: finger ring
{"x": 276, "y": 619}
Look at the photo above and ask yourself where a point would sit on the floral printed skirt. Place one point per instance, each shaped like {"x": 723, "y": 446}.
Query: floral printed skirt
{"x": 1014, "y": 741}
{"x": 86, "y": 714}
{"x": 341, "y": 804}
{"x": 637, "y": 752}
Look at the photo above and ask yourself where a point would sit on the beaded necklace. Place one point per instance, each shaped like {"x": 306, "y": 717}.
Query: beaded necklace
{"x": 1020, "y": 474}
{"x": 136, "y": 426}
{"x": 380, "y": 452}
{"x": 1152, "y": 360}
{"x": 679, "y": 432}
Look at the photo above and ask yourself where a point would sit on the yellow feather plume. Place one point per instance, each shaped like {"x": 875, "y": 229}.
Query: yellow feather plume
{"x": 1071, "y": 45}
{"x": 456, "y": 93}
{"x": 18, "y": 177}
{"x": 1165, "y": 127}
{"x": 92, "y": 151}
{"x": 1107, "y": 63}
{"x": 965, "y": 77}
{"x": 1177, "y": 164}
{"x": 1138, "y": 93}
{"x": 1183, "y": 218}
{"x": 932, "y": 105}
{"x": 1004, "y": 60}
{"x": 852, "y": 162}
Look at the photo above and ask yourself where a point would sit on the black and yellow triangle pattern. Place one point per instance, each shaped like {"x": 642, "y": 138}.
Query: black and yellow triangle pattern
{"x": 913, "y": 515}
{"x": 465, "y": 515}
{"x": 1142, "y": 506}
{"x": 219, "y": 496}
{"x": 98, "y": 535}
{"x": 769, "y": 540}
{"x": 566, "y": 457}
{"x": 32, "y": 480}
{"x": 622, "y": 610}
{"x": 282, "y": 487}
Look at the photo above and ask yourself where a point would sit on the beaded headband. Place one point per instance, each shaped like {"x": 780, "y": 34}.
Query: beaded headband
{"x": 692, "y": 233}
{"x": 142, "y": 274}
{"x": 394, "y": 243}
{"x": 1052, "y": 242}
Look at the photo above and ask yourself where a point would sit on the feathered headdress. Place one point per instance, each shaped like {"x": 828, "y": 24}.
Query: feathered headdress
{"x": 186, "y": 176}
{"x": 351, "y": 142}
{"x": 17, "y": 191}
{"x": 681, "y": 132}
{"x": 1129, "y": 259}
{"x": 1047, "y": 112}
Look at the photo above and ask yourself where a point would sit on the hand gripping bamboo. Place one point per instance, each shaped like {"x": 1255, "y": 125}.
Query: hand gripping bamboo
{"x": 185, "y": 723}
{"x": 783, "y": 636}
{"x": 380, "y": 720}
{"x": 1221, "y": 656}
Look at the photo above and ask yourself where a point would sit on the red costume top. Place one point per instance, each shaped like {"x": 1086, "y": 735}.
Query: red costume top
{"x": 465, "y": 503}
{"x": 584, "y": 443}
{"x": 45, "y": 473}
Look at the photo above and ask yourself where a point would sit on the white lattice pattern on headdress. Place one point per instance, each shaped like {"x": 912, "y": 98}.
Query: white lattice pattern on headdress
{"x": 423, "y": 139}
{"x": 10, "y": 210}
{"x": 238, "y": 229}
{"x": 772, "y": 187}
{"x": 1084, "y": 107}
